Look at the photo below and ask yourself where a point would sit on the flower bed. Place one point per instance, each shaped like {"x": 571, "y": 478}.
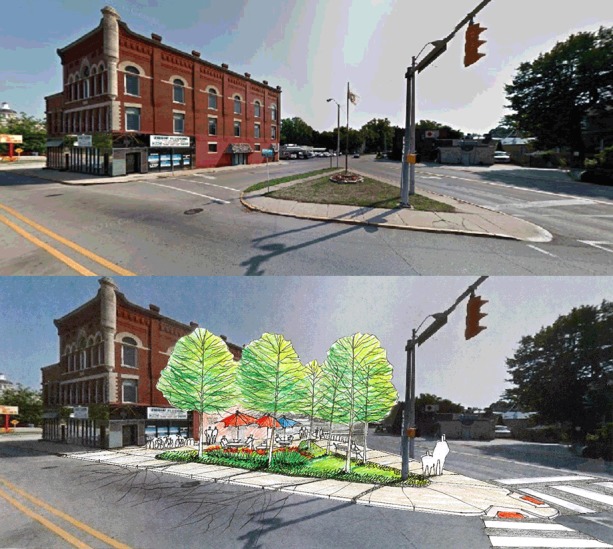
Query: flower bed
{"x": 346, "y": 177}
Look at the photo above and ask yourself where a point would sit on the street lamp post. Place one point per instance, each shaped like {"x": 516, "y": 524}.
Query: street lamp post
{"x": 338, "y": 130}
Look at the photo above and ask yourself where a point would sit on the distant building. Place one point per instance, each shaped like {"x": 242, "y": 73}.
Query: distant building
{"x": 111, "y": 354}
{"x": 5, "y": 384}
{"x": 159, "y": 108}
{"x": 467, "y": 152}
{"x": 6, "y": 113}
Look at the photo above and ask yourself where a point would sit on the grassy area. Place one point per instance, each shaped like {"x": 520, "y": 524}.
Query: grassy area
{"x": 286, "y": 179}
{"x": 294, "y": 462}
{"x": 370, "y": 193}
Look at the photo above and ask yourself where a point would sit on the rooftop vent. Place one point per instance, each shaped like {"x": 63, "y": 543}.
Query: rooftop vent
{"x": 154, "y": 308}
{"x": 195, "y": 53}
{"x": 193, "y": 324}
{"x": 224, "y": 65}
{"x": 248, "y": 75}
{"x": 156, "y": 37}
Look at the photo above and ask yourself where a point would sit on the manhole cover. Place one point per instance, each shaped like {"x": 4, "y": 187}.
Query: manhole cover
{"x": 50, "y": 467}
{"x": 51, "y": 195}
{"x": 190, "y": 484}
{"x": 193, "y": 211}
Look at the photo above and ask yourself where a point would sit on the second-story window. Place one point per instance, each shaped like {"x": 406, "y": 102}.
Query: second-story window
{"x": 237, "y": 128}
{"x": 85, "y": 82}
{"x": 237, "y": 104}
{"x": 179, "y": 122}
{"x": 212, "y": 99}
{"x": 212, "y": 126}
{"x": 256, "y": 132}
{"x": 132, "y": 119}
{"x": 178, "y": 94}
{"x": 129, "y": 350}
{"x": 131, "y": 81}
{"x": 129, "y": 391}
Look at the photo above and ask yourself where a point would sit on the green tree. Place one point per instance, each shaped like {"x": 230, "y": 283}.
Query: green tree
{"x": 200, "y": 376}
{"x": 270, "y": 378}
{"x": 377, "y": 135}
{"x": 565, "y": 371}
{"x": 551, "y": 95}
{"x": 296, "y": 131}
{"x": 355, "y": 362}
{"x": 32, "y": 129}
{"x": 313, "y": 391}
{"x": 29, "y": 402}
{"x": 445, "y": 406}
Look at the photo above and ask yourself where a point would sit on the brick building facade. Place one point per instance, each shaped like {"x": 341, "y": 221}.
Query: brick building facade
{"x": 157, "y": 107}
{"x": 111, "y": 355}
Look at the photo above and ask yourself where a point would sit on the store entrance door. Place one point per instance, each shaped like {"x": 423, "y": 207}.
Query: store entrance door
{"x": 133, "y": 163}
{"x": 128, "y": 435}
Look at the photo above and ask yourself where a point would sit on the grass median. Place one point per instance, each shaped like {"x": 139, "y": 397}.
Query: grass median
{"x": 370, "y": 193}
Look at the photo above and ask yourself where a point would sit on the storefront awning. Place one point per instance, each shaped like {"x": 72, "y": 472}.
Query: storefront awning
{"x": 54, "y": 142}
{"x": 239, "y": 148}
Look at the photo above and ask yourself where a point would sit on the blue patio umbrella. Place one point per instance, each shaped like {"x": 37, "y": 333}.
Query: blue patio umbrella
{"x": 286, "y": 422}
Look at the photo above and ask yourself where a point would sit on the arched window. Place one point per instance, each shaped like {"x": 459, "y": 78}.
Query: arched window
{"x": 273, "y": 112}
{"x": 212, "y": 98}
{"x": 82, "y": 355}
{"x": 129, "y": 390}
{"x": 129, "y": 352}
{"x": 237, "y": 104}
{"x": 178, "y": 94}
{"x": 256, "y": 109}
{"x": 131, "y": 81}
{"x": 95, "y": 87}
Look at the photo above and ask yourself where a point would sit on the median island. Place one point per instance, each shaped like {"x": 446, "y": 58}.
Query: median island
{"x": 316, "y": 187}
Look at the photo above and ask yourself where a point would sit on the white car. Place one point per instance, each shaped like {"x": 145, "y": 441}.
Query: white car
{"x": 501, "y": 156}
{"x": 502, "y": 431}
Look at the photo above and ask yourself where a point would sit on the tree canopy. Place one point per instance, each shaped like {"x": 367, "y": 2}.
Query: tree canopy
{"x": 33, "y": 132}
{"x": 552, "y": 94}
{"x": 565, "y": 371}
{"x": 29, "y": 402}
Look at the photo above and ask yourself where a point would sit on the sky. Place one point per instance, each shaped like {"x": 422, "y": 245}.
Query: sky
{"x": 312, "y": 49}
{"x": 313, "y": 312}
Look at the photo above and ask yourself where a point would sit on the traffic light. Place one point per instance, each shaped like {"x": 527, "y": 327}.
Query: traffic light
{"x": 472, "y": 44}
{"x": 474, "y": 316}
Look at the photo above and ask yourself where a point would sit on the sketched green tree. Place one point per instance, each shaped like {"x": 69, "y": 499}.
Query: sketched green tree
{"x": 376, "y": 393}
{"x": 314, "y": 393}
{"x": 270, "y": 378}
{"x": 200, "y": 376}
{"x": 359, "y": 366}
{"x": 332, "y": 408}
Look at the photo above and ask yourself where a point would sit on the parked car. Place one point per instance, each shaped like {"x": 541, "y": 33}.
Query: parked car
{"x": 501, "y": 156}
{"x": 356, "y": 155}
{"x": 502, "y": 431}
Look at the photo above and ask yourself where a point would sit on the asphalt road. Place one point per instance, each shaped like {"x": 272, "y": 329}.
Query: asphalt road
{"x": 194, "y": 225}
{"x": 147, "y": 509}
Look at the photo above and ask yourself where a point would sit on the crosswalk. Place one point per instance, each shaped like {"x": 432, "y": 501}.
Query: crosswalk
{"x": 533, "y": 534}
{"x": 570, "y": 494}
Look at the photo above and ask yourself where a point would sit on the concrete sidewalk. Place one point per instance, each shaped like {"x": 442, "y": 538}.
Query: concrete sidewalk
{"x": 449, "y": 493}
{"x": 468, "y": 219}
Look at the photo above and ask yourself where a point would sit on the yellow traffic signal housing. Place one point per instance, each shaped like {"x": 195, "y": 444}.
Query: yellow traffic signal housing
{"x": 472, "y": 44}
{"x": 474, "y": 316}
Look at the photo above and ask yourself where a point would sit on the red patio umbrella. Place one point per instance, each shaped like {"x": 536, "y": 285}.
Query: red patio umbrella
{"x": 238, "y": 419}
{"x": 268, "y": 421}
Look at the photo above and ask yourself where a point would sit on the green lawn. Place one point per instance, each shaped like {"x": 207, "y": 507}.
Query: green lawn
{"x": 293, "y": 462}
{"x": 370, "y": 193}
{"x": 287, "y": 179}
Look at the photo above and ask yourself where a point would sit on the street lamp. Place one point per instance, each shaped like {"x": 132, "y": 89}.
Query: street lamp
{"x": 338, "y": 130}
{"x": 408, "y": 440}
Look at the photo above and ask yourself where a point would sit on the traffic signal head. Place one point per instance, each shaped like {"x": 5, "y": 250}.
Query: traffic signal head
{"x": 472, "y": 44}
{"x": 474, "y": 316}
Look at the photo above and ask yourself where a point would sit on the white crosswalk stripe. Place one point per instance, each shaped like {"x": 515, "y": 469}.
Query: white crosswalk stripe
{"x": 504, "y": 533}
{"x": 558, "y": 501}
{"x": 542, "y": 480}
{"x": 586, "y": 494}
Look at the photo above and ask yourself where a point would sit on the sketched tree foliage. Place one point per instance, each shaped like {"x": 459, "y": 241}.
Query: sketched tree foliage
{"x": 359, "y": 366}
{"x": 270, "y": 378}
{"x": 200, "y": 376}
{"x": 330, "y": 409}
{"x": 313, "y": 391}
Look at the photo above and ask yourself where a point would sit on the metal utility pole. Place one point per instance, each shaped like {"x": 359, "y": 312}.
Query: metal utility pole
{"x": 407, "y": 182}
{"x": 347, "y": 149}
{"x": 407, "y": 442}
{"x": 338, "y": 131}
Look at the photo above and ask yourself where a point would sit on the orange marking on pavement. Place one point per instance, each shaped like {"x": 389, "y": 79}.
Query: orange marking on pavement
{"x": 55, "y": 253}
{"x": 88, "y": 529}
{"x": 47, "y": 523}
{"x": 90, "y": 255}
{"x": 509, "y": 515}
{"x": 533, "y": 500}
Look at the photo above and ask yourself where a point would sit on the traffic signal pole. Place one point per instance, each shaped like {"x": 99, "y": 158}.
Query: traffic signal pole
{"x": 407, "y": 182}
{"x": 407, "y": 441}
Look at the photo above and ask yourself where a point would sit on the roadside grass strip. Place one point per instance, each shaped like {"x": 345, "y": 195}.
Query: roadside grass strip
{"x": 287, "y": 179}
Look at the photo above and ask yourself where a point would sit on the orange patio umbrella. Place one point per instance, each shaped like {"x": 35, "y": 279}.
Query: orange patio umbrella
{"x": 238, "y": 419}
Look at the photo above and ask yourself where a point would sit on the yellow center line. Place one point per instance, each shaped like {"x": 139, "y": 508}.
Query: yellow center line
{"x": 55, "y": 529}
{"x": 90, "y": 255}
{"x": 88, "y": 529}
{"x": 55, "y": 253}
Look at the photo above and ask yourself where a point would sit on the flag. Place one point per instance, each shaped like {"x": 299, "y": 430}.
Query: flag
{"x": 352, "y": 96}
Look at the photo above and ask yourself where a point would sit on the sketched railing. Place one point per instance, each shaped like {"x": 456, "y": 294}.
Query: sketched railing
{"x": 161, "y": 443}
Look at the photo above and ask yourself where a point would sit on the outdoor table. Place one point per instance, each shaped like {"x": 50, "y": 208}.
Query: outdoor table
{"x": 235, "y": 444}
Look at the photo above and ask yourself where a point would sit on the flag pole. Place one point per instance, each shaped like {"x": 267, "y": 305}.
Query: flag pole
{"x": 347, "y": 147}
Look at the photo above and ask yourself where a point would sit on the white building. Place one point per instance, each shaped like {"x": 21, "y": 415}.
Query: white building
{"x": 4, "y": 384}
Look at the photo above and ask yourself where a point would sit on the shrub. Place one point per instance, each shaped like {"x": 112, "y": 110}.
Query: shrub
{"x": 600, "y": 444}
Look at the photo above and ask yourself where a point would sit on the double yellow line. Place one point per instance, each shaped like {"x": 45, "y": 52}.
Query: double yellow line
{"x": 53, "y": 251}
{"x": 67, "y": 536}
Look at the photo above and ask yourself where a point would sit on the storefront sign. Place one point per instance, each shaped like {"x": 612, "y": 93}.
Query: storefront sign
{"x": 84, "y": 140}
{"x": 168, "y": 141}
{"x": 165, "y": 413}
{"x": 6, "y": 138}
{"x": 80, "y": 412}
{"x": 9, "y": 410}
{"x": 268, "y": 152}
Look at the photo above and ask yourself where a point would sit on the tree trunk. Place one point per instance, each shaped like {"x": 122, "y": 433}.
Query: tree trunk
{"x": 348, "y": 459}
{"x": 272, "y": 440}
{"x": 365, "y": 435}
{"x": 201, "y": 429}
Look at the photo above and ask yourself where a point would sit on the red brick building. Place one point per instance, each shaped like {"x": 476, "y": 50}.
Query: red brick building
{"x": 111, "y": 355}
{"x": 155, "y": 106}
